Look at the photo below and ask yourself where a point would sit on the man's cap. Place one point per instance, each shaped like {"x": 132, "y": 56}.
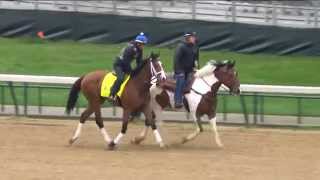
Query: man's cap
{"x": 187, "y": 34}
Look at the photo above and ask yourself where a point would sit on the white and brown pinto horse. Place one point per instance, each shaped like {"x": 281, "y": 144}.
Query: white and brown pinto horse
{"x": 200, "y": 100}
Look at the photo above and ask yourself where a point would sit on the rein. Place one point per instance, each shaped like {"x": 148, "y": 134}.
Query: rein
{"x": 153, "y": 80}
{"x": 199, "y": 93}
{"x": 206, "y": 82}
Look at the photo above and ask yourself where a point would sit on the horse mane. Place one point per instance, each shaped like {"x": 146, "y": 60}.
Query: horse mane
{"x": 212, "y": 65}
{"x": 137, "y": 69}
{"x": 206, "y": 70}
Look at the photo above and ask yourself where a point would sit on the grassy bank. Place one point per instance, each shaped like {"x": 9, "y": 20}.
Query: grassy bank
{"x": 66, "y": 58}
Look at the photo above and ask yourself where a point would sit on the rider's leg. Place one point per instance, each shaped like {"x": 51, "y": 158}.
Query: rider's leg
{"x": 120, "y": 77}
{"x": 188, "y": 83}
{"x": 180, "y": 84}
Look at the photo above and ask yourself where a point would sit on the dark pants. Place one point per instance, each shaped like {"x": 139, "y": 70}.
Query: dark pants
{"x": 120, "y": 77}
{"x": 182, "y": 80}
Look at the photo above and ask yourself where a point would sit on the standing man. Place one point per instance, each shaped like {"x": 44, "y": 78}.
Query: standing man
{"x": 185, "y": 60}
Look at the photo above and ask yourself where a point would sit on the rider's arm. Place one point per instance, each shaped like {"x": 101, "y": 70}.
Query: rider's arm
{"x": 128, "y": 54}
{"x": 139, "y": 58}
{"x": 196, "y": 60}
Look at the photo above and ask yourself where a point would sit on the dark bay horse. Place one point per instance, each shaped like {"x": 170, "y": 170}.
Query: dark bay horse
{"x": 135, "y": 98}
{"x": 201, "y": 99}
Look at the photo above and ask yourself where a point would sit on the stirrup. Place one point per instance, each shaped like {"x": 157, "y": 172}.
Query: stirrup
{"x": 112, "y": 98}
{"x": 178, "y": 105}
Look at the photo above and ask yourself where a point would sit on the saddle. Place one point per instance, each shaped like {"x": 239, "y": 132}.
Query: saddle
{"x": 108, "y": 82}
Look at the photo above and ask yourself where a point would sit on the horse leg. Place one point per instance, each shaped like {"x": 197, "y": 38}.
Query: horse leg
{"x": 148, "y": 114}
{"x": 198, "y": 130}
{"x": 155, "y": 115}
{"x": 213, "y": 122}
{"x": 125, "y": 119}
{"x": 83, "y": 119}
{"x": 142, "y": 136}
{"x": 100, "y": 124}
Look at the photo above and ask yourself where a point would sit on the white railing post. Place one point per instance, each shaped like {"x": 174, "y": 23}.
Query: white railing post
{"x": 75, "y": 5}
{"x": 36, "y": 5}
{"x": 316, "y": 17}
{"x": 193, "y": 9}
{"x": 114, "y": 6}
{"x": 274, "y": 14}
{"x": 266, "y": 13}
{"x": 154, "y": 9}
{"x": 233, "y": 11}
{"x": 133, "y": 6}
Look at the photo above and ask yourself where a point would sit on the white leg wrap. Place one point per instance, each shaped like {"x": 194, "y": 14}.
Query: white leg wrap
{"x": 78, "y": 131}
{"x": 144, "y": 132}
{"x": 157, "y": 135}
{"x": 105, "y": 135}
{"x": 213, "y": 122}
{"x": 118, "y": 138}
{"x": 193, "y": 135}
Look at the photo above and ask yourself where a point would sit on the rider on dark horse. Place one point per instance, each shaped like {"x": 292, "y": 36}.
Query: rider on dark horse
{"x": 185, "y": 60}
{"x": 122, "y": 65}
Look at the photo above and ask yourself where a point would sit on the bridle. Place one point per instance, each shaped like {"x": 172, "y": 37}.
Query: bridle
{"x": 155, "y": 74}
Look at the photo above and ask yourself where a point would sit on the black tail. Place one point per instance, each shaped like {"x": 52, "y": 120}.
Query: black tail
{"x": 73, "y": 95}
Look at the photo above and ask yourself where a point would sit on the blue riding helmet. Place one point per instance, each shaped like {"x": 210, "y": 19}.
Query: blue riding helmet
{"x": 141, "y": 38}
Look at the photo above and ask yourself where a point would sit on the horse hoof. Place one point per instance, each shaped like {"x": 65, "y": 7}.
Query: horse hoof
{"x": 221, "y": 146}
{"x": 112, "y": 146}
{"x": 184, "y": 140}
{"x": 164, "y": 146}
{"x": 71, "y": 141}
{"x": 136, "y": 140}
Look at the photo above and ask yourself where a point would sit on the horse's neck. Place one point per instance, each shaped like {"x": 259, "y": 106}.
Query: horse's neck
{"x": 210, "y": 79}
{"x": 215, "y": 88}
{"x": 143, "y": 77}
{"x": 214, "y": 82}
{"x": 204, "y": 84}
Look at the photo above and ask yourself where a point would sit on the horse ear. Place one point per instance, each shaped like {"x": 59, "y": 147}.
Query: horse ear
{"x": 232, "y": 63}
{"x": 218, "y": 63}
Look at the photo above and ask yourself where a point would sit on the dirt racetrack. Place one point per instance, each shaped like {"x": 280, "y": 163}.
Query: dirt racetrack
{"x": 37, "y": 149}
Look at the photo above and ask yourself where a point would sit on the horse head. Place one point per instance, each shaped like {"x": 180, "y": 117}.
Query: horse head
{"x": 157, "y": 71}
{"x": 226, "y": 73}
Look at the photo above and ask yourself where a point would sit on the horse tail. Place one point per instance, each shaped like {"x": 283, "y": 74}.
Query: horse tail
{"x": 73, "y": 95}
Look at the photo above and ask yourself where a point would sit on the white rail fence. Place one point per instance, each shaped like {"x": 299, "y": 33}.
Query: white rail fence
{"x": 256, "y": 92}
{"x": 253, "y": 12}
{"x": 250, "y": 88}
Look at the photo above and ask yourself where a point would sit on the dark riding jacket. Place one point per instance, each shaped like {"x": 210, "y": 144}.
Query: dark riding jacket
{"x": 126, "y": 57}
{"x": 185, "y": 58}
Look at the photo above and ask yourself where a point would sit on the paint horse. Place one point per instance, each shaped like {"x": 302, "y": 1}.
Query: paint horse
{"x": 135, "y": 98}
{"x": 200, "y": 98}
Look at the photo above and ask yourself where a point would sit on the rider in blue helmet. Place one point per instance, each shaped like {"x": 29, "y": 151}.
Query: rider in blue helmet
{"x": 122, "y": 64}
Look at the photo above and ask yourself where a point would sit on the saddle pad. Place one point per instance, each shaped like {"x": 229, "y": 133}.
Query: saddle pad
{"x": 108, "y": 82}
